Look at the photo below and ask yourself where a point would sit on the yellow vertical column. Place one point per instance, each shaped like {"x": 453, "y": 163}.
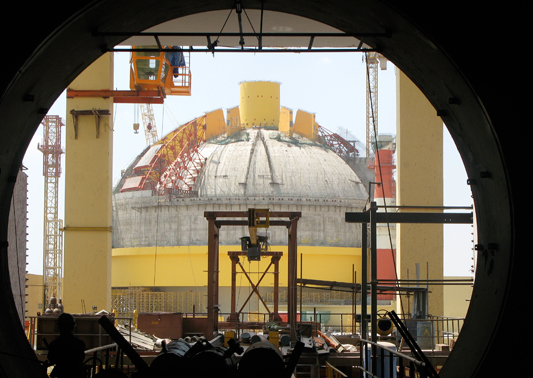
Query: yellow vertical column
{"x": 88, "y": 183}
{"x": 419, "y": 182}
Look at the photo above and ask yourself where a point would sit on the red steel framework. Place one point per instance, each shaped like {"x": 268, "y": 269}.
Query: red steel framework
{"x": 338, "y": 144}
{"x": 53, "y": 237}
{"x": 176, "y": 162}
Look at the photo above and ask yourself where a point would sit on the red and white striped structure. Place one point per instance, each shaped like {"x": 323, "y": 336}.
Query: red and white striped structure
{"x": 385, "y": 195}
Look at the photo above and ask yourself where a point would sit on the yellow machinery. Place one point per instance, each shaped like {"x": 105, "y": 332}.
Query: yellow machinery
{"x": 255, "y": 244}
{"x": 155, "y": 69}
{"x": 154, "y": 74}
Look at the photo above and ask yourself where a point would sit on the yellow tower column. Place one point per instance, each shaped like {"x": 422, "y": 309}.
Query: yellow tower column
{"x": 420, "y": 182}
{"x": 88, "y": 184}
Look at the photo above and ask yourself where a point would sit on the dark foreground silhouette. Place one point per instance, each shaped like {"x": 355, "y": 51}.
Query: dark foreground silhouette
{"x": 67, "y": 351}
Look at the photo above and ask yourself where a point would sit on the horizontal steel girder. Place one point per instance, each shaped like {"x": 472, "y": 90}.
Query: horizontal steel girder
{"x": 444, "y": 218}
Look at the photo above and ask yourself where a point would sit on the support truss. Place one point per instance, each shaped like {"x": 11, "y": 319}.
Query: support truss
{"x": 53, "y": 237}
{"x": 338, "y": 144}
{"x": 176, "y": 162}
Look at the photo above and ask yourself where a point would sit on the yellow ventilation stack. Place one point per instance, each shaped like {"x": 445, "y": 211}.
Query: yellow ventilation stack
{"x": 305, "y": 125}
{"x": 215, "y": 124}
{"x": 233, "y": 120}
{"x": 260, "y": 104}
{"x": 285, "y": 121}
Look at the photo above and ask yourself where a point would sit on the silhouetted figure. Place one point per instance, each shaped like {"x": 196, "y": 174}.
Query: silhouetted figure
{"x": 67, "y": 351}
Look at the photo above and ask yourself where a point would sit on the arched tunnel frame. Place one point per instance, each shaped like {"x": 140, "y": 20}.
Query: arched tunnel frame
{"x": 437, "y": 48}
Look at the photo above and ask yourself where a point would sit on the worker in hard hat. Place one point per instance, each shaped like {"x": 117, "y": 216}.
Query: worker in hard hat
{"x": 67, "y": 352}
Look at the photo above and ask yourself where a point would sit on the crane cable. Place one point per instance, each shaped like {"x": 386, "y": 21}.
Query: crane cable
{"x": 381, "y": 175}
{"x": 157, "y": 214}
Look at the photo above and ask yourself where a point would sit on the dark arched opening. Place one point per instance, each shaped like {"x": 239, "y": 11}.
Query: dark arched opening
{"x": 438, "y": 48}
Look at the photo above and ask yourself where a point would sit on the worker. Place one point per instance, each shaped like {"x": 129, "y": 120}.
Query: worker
{"x": 67, "y": 352}
{"x": 176, "y": 59}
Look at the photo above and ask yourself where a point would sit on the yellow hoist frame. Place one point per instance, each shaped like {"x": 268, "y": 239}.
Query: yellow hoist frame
{"x": 167, "y": 69}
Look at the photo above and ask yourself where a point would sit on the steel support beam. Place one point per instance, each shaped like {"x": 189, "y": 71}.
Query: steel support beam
{"x": 213, "y": 262}
{"x": 443, "y": 218}
{"x": 121, "y": 96}
{"x": 291, "y": 283}
{"x": 212, "y": 278}
{"x": 234, "y": 256}
{"x": 373, "y": 217}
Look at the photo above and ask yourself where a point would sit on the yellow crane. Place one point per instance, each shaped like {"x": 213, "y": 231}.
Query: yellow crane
{"x": 165, "y": 70}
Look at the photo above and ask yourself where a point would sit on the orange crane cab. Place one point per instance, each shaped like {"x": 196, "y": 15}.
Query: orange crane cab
{"x": 166, "y": 70}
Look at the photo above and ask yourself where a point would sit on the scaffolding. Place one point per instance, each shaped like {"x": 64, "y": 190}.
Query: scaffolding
{"x": 52, "y": 235}
{"x": 147, "y": 300}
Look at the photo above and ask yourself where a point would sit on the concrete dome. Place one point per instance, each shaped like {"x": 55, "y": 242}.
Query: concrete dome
{"x": 253, "y": 156}
{"x": 259, "y": 162}
{"x": 253, "y": 167}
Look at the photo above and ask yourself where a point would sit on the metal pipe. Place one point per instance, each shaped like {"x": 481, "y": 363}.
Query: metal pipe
{"x": 373, "y": 279}
{"x": 301, "y": 287}
{"x": 276, "y": 287}
{"x": 103, "y": 347}
{"x": 238, "y": 8}
{"x": 364, "y": 289}
{"x": 426, "y": 207}
{"x": 261, "y": 26}
{"x": 395, "y": 352}
{"x": 292, "y": 272}
{"x": 236, "y": 34}
{"x": 364, "y": 279}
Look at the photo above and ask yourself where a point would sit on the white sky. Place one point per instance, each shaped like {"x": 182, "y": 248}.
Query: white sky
{"x": 330, "y": 85}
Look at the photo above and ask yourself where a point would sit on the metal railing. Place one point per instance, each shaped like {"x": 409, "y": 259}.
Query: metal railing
{"x": 99, "y": 359}
{"x": 443, "y": 330}
{"x": 378, "y": 361}
{"x": 333, "y": 372}
{"x": 34, "y": 334}
{"x": 446, "y": 329}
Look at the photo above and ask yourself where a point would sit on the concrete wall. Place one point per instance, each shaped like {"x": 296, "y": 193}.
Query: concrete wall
{"x": 457, "y": 299}
{"x": 143, "y": 221}
{"x": 35, "y": 294}
{"x": 17, "y": 242}
{"x": 420, "y": 183}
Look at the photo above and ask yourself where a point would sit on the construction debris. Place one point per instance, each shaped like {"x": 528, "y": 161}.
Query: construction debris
{"x": 139, "y": 340}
